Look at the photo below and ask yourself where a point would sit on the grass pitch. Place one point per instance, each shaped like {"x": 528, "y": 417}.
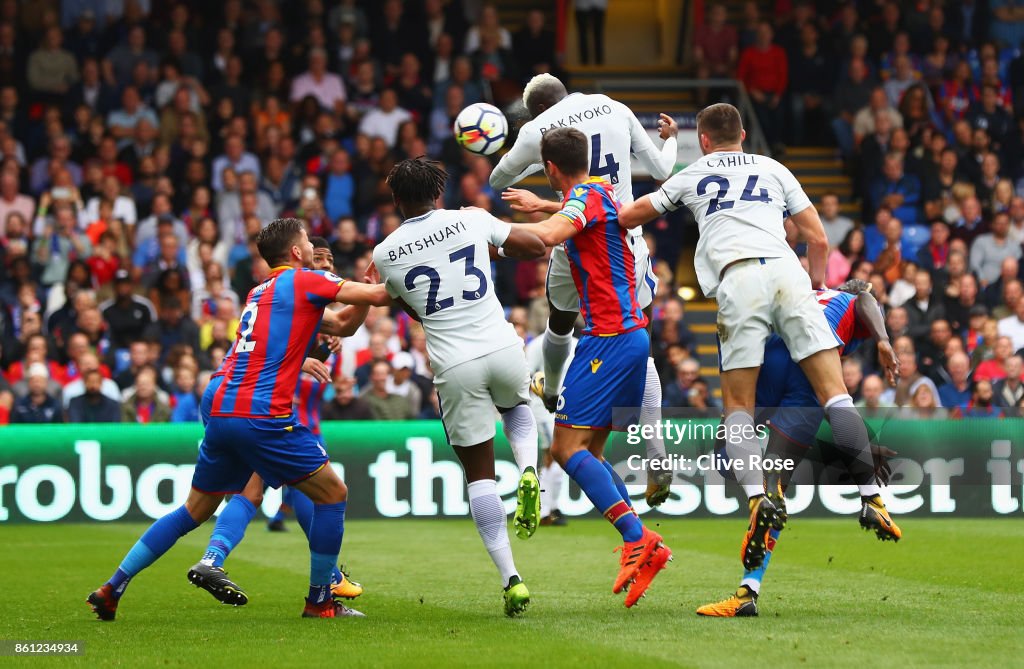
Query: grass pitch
{"x": 948, "y": 595}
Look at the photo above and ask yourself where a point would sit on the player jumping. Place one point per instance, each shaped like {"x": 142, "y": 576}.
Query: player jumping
{"x": 613, "y": 133}
{"x": 795, "y": 415}
{"x": 743, "y": 259}
{"x": 252, "y": 426}
{"x": 233, "y": 522}
{"x": 431, "y": 266}
{"x": 607, "y": 369}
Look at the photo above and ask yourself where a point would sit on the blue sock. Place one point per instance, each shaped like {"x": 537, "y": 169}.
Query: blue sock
{"x": 156, "y": 541}
{"x": 595, "y": 480}
{"x": 229, "y": 531}
{"x": 303, "y": 508}
{"x": 620, "y": 485}
{"x": 752, "y": 578}
{"x": 325, "y": 534}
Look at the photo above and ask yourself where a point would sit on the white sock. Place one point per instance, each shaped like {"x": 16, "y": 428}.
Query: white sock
{"x": 650, "y": 410}
{"x": 556, "y": 348}
{"x": 520, "y": 429}
{"x": 852, "y": 438}
{"x": 737, "y": 447}
{"x": 551, "y": 488}
{"x": 489, "y": 516}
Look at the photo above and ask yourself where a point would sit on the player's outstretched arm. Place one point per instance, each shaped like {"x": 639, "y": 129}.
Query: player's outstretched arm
{"x": 659, "y": 162}
{"x": 529, "y": 202}
{"x": 808, "y": 223}
{"x": 363, "y": 294}
{"x": 523, "y": 244}
{"x": 522, "y": 160}
{"x": 637, "y": 212}
{"x": 870, "y": 316}
{"x": 551, "y": 232}
{"x": 345, "y": 321}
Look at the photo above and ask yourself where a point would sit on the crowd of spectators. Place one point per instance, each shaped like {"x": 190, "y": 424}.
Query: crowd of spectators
{"x": 925, "y": 104}
{"x": 143, "y": 145}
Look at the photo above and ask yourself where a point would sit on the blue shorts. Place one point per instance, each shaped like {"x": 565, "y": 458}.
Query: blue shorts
{"x": 605, "y": 373}
{"x": 786, "y": 397}
{"x": 280, "y": 450}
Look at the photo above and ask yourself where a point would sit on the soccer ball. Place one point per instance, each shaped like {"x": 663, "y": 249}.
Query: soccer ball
{"x": 481, "y": 128}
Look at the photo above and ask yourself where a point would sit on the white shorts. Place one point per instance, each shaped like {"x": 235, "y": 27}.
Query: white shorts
{"x": 470, "y": 391}
{"x": 759, "y": 295}
{"x": 562, "y": 289}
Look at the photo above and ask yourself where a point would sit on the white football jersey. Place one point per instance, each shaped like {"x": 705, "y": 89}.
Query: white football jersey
{"x": 438, "y": 264}
{"x": 740, "y": 201}
{"x": 614, "y": 132}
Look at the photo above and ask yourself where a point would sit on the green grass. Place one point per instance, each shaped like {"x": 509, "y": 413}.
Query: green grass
{"x": 948, "y": 595}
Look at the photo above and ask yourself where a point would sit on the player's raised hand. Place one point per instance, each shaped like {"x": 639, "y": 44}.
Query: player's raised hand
{"x": 889, "y": 361}
{"x": 523, "y": 200}
{"x": 333, "y": 344}
{"x": 667, "y": 126}
{"x": 317, "y": 370}
{"x": 372, "y": 275}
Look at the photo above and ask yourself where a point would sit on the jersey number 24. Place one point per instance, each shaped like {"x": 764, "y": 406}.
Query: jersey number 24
{"x": 467, "y": 254}
{"x": 718, "y": 202}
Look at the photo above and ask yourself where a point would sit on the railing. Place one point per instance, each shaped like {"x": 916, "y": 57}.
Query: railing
{"x": 755, "y": 142}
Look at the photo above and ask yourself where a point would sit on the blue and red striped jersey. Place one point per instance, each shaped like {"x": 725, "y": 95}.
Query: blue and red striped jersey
{"x": 309, "y": 395}
{"x": 842, "y": 318}
{"x": 276, "y": 330}
{"x": 601, "y": 260}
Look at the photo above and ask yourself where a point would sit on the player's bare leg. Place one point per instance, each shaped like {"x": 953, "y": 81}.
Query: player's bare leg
{"x": 489, "y": 516}
{"x": 659, "y": 480}
{"x": 580, "y": 452}
{"x": 738, "y": 395}
{"x": 824, "y": 371}
{"x": 156, "y": 541}
{"x": 329, "y": 495}
{"x": 557, "y": 346}
{"x": 229, "y": 531}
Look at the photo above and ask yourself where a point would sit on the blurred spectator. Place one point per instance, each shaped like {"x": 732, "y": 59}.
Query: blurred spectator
{"x": 534, "y": 46}
{"x": 385, "y": 120}
{"x": 994, "y": 368}
{"x": 836, "y": 225}
{"x": 92, "y": 406}
{"x": 897, "y": 191}
{"x": 141, "y": 402}
{"x": 327, "y": 87}
{"x": 590, "y": 16}
{"x": 52, "y": 70}
{"x": 989, "y": 250}
{"x": 1009, "y": 391}
{"x": 88, "y": 362}
{"x": 842, "y": 258}
{"x": 871, "y": 402}
{"x": 980, "y": 404}
{"x": 385, "y": 405}
{"x": 345, "y": 405}
{"x": 12, "y": 201}
{"x": 401, "y": 381}
{"x": 1013, "y": 326}
{"x": 37, "y": 406}
{"x": 764, "y": 71}
{"x": 173, "y": 327}
{"x": 677, "y": 393}
{"x": 958, "y": 390}
{"x": 184, "y": 399}
{"x": 853, "y": 375}
{"x": 923, "y": 308}
{"x": 237, "y": 158}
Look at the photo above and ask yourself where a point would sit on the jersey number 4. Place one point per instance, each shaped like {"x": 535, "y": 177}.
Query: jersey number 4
{"x": 610, "y": 167}
{"x": 718, "y": 202}
{"x": 466, "y": 253}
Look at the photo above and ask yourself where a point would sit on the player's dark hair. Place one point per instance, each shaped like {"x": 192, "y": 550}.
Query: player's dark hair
{"x": 319, "y": 243}
{"x": 722, "y": 124}
{"x": 276, "y": 240}
{"x": 566, "y": 148}
{"x": 417, "y": 181}
{"x": 855, "y": 287}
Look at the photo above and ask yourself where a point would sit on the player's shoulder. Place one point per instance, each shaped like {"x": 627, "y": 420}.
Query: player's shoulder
{"x": 309, "y": 275}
